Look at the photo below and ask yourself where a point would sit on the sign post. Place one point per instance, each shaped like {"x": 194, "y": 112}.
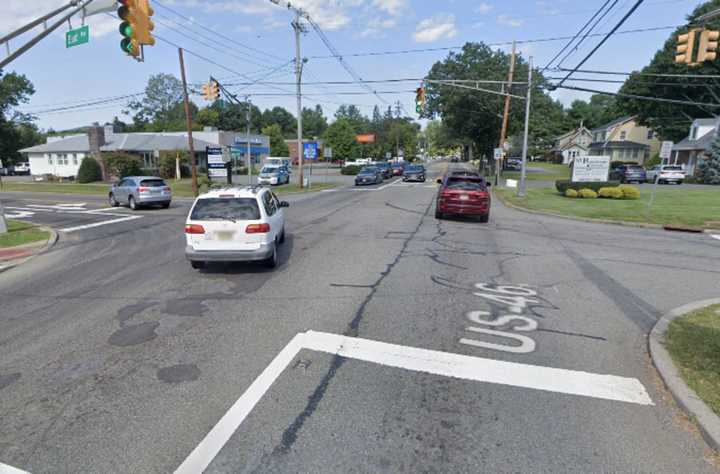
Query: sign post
{"x": 216, "y": 164}
{"x": 665, "y": 154}
{"x": 327, "y": 155}
{"x": 77, "y": 36}
{"x": 591, "y": 168}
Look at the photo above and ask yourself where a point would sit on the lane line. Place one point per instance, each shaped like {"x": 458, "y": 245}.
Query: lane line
{"x": 715, "y": 236}
{"x": 98, "y": 224}
{"x": 6, "y": 469}
{"x": 608, "y": 387}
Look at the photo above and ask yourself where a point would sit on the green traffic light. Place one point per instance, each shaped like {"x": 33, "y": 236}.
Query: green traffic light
{"x": 126, "y": 29}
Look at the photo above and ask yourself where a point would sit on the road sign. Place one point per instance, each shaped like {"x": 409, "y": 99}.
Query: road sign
{"x": 591, "y": 168}
{"x": 310, "y": 151}
{"x": 216, "y": 163}
{"x": 498, "y": 154}
{"x": 666, "y": 150}
{"x": 77, "y": 36}
{"x": 327, "y": 152}
{"x": 506, "y": 146}
{"x": 365, "y": 138}
{"x": 388, "y": 155}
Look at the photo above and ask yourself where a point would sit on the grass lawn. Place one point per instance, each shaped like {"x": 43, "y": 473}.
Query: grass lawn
{"x": 20, "y": 233}
{"x": 673, "y": 206}
{"x": 694, "y": 344}
{"x": 181, "y": 188}
{"x": 552, "y": 172}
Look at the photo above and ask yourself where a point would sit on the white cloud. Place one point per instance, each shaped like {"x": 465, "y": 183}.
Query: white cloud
{"x": 438, "y": 27}
{"x": 393, "y": 7}
{"x": 484, "y": 8}
{"x": 507, "y": 20}
{"x": 377, "y": 28}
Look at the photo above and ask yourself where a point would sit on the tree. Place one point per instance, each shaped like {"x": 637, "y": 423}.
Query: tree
{"x": 601, "y": 109}
{"x": 438, "y": 138}
{"x": 281, "y": 117}
{"x": 162, "y": 102}
{"x": 278, "y": 147}
{"x": 709, "y": 168}
{"x": 16, "y": 130}
{"x": 314, "y": 122}
{"x": 671, "y": 121}
{"x": 340, "y": 135}
{"x": 351, "y": 113}
{"x": 89, "y": 171}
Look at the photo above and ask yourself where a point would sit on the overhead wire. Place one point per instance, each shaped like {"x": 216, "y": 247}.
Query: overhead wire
{"x": 640, "y": 97}
{"x": 585, "y": 36}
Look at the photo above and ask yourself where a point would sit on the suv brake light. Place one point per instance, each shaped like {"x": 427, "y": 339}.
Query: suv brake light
{"x": 257, "y": 229}
{"x": 194, "y": 229}
{"x": 143, "y": 189}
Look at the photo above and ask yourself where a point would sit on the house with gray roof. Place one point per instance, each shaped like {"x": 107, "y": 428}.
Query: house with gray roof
{"x": 625, "y": 140}
{"x": 696, "y": 146}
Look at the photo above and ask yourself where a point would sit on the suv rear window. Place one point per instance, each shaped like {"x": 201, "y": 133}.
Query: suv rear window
{"x": 153, "y": 183}
{"x": 672, "y": 168}
{"x": 465, "y": 184}
{"x": 635, "y": 168}
{"x": 242, "y": 209}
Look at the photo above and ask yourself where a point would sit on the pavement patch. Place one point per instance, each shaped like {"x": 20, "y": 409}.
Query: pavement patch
{"x": 134, "y": 335}
{"x": 179, "y": 373}
{"x": 9, "y": 379}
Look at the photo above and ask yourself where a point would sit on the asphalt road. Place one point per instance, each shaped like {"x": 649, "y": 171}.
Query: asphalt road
{"x": 117, "y": 357}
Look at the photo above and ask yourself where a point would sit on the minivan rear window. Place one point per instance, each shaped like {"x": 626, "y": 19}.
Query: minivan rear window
{"x": 153, "y": 183}
{"x": 241, "y": 209}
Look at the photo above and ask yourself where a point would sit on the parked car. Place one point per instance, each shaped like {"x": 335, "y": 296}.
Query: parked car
{"x": 138, "y": 191}
{"x": 386, "y": 169}
{"x": 273, "y": 175}
{"x": 666, "y": 174}
{"x": 463, "y": 195}
{"x": 513, "y": 164}
{"x": 414, "y": 173}
{"x": 628, "y": 174}
{"x": 398, "y": 169}
{"x": 235, "y": 225}
{"x": 21, "y": 169}
{"x": 369, "y": 175}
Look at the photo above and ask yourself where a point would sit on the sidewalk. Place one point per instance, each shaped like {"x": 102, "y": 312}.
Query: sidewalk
{"x": 14, "y": 256}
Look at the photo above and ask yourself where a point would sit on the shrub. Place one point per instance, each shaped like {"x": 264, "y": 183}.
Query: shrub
{"x": 610, "y": 193}
{"x": 351, "y": 170}
{"x": 654, "y": 161}
{"x": 122, "y": 164}
{"x": 587, "y": 194}
{"x": 166, "y": 165}
{"x": 630, "y": 192}
{"x": 563, "y": 185}
{"x": 571, "y": 193}
{"x": 89, "y": 171}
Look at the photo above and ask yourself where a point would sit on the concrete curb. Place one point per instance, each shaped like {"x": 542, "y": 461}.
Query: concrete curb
{"x": 52, "y": 240}
{"x": 686, "y": 398}
{"x": 640, "y": 225}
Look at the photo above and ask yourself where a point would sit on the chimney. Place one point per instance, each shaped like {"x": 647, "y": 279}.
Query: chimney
{"x": 109, "y": 130}
{"x": 96, "y": 139}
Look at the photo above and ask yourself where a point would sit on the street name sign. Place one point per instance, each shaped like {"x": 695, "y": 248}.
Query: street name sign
{"x": 77, "y": 36}
{"x": 590, "y": 168}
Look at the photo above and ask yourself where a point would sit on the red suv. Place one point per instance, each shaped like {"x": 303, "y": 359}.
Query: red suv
{"x": 463, "y": 194}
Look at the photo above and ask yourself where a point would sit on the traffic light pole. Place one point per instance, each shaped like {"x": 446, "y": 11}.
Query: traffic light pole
{"x": 188, "y": 117}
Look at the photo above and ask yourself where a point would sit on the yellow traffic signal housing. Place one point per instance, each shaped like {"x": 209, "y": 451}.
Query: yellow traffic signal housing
{"x": 214, "y": 90}
{"x": 686, "y": 47}
{"x": 707, "y": 50}
{"x": 145, "y": 26}
{"x": 206, "y": 92}
{"x": 128, "y": 13}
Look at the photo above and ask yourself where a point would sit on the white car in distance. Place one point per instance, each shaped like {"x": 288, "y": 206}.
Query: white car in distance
{"x": 235, "y": 225}
{"x": 666, "y": 174}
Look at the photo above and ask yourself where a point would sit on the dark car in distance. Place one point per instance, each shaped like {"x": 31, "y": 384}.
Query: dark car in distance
{"x": 463, "y": 194}
{"x": 369, "y": 175}
{"x": 628, "y": 174}
{"x": 386, "y": 169}
{"x": 414, "y": 173}
{"x": 398, "y": 169}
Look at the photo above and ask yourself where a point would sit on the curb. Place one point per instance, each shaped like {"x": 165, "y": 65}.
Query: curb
{"x": 52, "y": 240}
{"x": 707, "y": 421}
{"x": 639, "y": 225}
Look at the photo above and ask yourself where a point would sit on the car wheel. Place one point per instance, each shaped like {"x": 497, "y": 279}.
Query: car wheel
{"x": 112, "y": 201}
{"x": 282, "y": 236}
{"x": 485, "y": 218}
{"x": 679, "y": 183}
{"x": 131, "y": 202}
{"x": 165, "y": 205}
{"x": 273, "y": 260}
{"x": 438, "y": 214}
{"x": 197, "y": 265}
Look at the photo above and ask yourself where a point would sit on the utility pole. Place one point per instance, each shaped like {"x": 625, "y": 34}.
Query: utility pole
{"x": 3, "y": 224}
{"x": 297, "y": 26}
{"x": 398, "y": 107}
{"x": 523, "y": 169}
{"x": 506, "y": 113}
{"x": 188, "y": 117}
{"x": 249, "y": 152}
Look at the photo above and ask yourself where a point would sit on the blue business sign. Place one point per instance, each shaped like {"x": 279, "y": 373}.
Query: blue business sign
{"x": 310, "y": 151}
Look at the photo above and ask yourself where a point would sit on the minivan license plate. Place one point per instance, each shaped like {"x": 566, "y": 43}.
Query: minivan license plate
{"x": 224, "y": 235}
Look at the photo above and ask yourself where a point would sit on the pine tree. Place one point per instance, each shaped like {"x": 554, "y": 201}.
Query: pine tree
{"x": 710, "y": 167}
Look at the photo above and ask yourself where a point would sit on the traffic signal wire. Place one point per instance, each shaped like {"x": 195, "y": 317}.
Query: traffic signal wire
{"x": 638, "y": 97}
{"x": 648, "y": 74}
{"x": 585, "y": 36}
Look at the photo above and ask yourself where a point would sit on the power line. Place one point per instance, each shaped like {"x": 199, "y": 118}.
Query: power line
{"x": 648, "y": 83}
{"x": 648, "y": 74}
{"x": 640, "y": 97}
{"x": 602, "y": 41}
{"x": 585, "y": 36}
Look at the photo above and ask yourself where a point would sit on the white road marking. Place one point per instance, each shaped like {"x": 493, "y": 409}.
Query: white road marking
{"x": 19, "y": 215}
{"x": 715, "y": 236}
{"x": 608, "y": 387}
{"x": 99, "y": 224}
{"x": 5, "y": 469}
{"x": 328, "y": 190}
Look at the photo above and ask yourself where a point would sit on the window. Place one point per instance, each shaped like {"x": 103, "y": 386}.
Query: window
{"x": 269, "y": 204}
{"x": 635, "y": 153}
{"x": 651, "y": 134}
{"x": 75, "y": 159}
{"x": 242, "y": 209}
{"x": 49, "y": 157}
{"x": 623, "y": 135}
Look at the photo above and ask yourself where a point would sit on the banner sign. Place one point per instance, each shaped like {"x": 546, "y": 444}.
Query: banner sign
{"x": 365, "y": 138}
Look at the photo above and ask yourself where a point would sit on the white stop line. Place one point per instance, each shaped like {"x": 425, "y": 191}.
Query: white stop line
{"x": 608, "y": 387}
{"x": 715, "y": 236}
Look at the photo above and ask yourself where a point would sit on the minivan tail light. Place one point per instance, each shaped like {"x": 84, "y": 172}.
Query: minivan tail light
{"x": 258, "y": 229}
{"x": 194, "y": 229}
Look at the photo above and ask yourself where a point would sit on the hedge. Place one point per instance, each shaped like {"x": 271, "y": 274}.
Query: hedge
{"x": 587, "y": 194}
{"x": 89, "y": 171}
{"x": 351, "y": 170}
{"x": 122, "y": 164}
{"x": 630, "y": 192}
{"x": 571, "y": 193}
{"x": 563, "y": 185}
{"x": 611, "y": 193}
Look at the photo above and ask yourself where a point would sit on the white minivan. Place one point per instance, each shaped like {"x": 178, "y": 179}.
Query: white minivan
{"x": 235, "y": 225}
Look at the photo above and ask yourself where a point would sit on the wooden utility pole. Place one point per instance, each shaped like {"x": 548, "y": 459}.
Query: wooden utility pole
{"x": 188, "y": 117}
{"x": 506, "y": 113}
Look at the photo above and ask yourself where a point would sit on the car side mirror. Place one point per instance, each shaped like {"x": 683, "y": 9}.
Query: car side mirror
{"x": 488, "y": 184}
{"x": 439, "y": 181}
{"x": 284, "y": 204}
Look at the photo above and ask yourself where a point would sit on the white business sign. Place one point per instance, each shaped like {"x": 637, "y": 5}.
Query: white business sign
{"x": 216, "y": 163}
{"x": 590, "y": 168}
{"x": 666, "y": 150}
{"x": 498, "y": 154}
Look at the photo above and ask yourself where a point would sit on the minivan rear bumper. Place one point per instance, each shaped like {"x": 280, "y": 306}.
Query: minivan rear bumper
{"x": 263, "y": 253}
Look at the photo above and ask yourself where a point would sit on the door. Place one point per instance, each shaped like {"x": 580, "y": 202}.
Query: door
{"x": 121, "y": 194}
{"x": 274, "y": 214}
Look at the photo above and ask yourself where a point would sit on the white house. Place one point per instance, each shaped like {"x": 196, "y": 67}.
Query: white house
{"x": 696, "y": 146}
{"x": 572, "y": 145}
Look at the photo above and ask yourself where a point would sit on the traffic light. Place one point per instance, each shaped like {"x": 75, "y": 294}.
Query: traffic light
{"x": 211, "y": 91}
{"x": 707, "y": 50}
{"x": 145, "y": 26}
{"x": 686, "y": 47}
{"x": 419, "y": 99}
{"x": 128, "y": 13}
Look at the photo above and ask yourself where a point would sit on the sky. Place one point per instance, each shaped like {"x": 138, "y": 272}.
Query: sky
{"x": 252, "y": 42}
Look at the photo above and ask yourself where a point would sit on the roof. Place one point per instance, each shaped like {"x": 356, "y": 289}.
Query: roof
{"x": 702, "y": 143}
{"x": 619, "y": 144}
{"x": 613, "y": 124}
{"x": 235, "y": 191}
{"x": 121, "y": 141}
{"x": 708, "y": 122}
{"x": 573, "y": 133}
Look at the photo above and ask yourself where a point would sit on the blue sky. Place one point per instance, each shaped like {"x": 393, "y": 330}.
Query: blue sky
{"x": 100, "y": 70}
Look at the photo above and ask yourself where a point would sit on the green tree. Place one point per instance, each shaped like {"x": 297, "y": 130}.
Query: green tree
{"x": 314, "y": 122}
{"x": 351, "y": 113}
{"x": 16, "y": 130}
{"x": 161, "y": 104}
{"x": 671, "y": 121}
{"x": 278, "y": 147}
{"x": 89, "y": 171}
{"x": 122, "y": 164}
{"x": 709, "y": 168}
{"x": 340, "y": 135}
{"x": 600, "y": 110}
{"x": 439, "y": 139}
{"x": 281, "y": 117}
